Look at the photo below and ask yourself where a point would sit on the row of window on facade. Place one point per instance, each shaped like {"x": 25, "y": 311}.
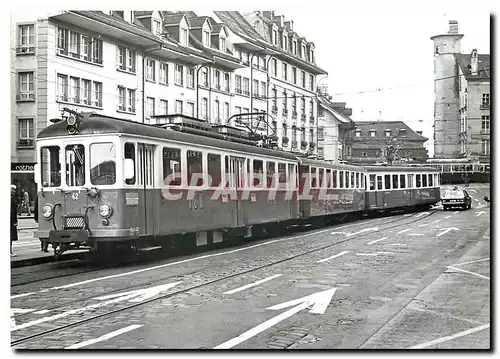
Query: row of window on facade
{"x": 485, "y": 124}
{"x": 485, "y": 102}
{"x": 294, "y": 74}
{"x": 373, "y": 133}
{"x": 293, "y": 100}
{"x": 485, "y": 146}
{"x": 289, "y": 44}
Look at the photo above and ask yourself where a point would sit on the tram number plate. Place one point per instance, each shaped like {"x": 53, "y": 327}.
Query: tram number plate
{"x": 131, "y": 199}
{"x": 196, "y": 202}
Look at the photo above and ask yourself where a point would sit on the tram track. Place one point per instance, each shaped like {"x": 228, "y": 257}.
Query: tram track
{"x": 386, "y": 226}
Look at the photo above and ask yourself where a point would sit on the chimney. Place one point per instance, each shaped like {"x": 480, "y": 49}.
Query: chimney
{"x": 453, "y": 27}
{"x": 289, "y": 25}
{"x": 268, "y": 14}
{"x": 280, "y": 19}
{"x": 473, "y": 62}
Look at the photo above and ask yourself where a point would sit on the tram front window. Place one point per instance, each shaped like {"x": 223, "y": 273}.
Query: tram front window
{"x": 75, "y": 165}
{"x": 102, "y": 163}
{"x": 50, "y": 166}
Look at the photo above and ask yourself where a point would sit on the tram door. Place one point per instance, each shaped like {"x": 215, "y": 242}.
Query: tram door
{"x": 145, "y": 177}
{"x": 237, "y": 180}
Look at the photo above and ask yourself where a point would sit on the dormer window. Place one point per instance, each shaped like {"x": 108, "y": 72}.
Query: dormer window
{"x": 357, "y": 133}
{"x": 206, "y": 38}
{"x": 387, "y": 133}
{"x": 156, "y": 27}
{"x": 285, "y": 45}
{"x": 303, "y": 51}
{"x": 275, "y": 37}
{"x": 294, "y": 47}
{"x": 184, "y": 36}
{"x": 373, "y": 133}
{"x": 222, "y": 43}
{"x": 312, "y": 55}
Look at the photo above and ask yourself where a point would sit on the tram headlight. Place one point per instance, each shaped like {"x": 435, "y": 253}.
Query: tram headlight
{"x": 47, "y": 211}
{"x": 71, "y": 120}
{"x": 105, "y": 210}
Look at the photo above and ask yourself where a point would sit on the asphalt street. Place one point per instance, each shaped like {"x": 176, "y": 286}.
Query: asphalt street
{"x": 419, "y": 281}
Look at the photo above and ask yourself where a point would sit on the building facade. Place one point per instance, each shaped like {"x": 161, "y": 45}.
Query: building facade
{"x": 462, "y": 99}
{"x": 139, "y": 64}
{"x": 369, "y": 143}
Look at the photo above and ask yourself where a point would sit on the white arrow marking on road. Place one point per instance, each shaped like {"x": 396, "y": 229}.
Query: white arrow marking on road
{"x": 404, "y": 230}
{"x": 140, "y": 295}
{"x": 480, "y": 213}
{"x": 446, "y": 231}
{"x": 339, "y": 233}
{"x": 456, "y": 212}
{"x": 421, "y": 214}
{"x": 426, "y": 224}
{"x": 377, "y": 240}
{"x": 104, "y": 337}
{"x": 252, "y": 284}
{"x": 481, "y": 206}
{"x": 133, "y": 296}
{"x": 319, "y": 302}
{"x": 334, "y": 256}
{"x": 363, "y": 230}
{"x": 468, "y": 272}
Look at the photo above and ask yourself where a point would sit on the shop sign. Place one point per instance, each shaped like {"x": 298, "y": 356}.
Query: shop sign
{"x": 20, "y": 166}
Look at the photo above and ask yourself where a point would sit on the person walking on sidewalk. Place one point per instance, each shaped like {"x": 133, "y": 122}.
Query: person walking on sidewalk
{"x": 13, "y": 218}
{"x": 44, "y": 247}
{"x": 26, "y": 201}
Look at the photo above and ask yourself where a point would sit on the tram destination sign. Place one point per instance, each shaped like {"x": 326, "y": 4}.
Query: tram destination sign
{"x": 22, "y": 166}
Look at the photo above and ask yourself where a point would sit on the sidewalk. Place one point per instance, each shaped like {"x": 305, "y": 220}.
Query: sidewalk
{"x": 25, "y": 222}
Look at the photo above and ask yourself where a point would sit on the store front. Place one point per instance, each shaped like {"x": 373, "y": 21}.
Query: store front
{"x": 23, "y": 176}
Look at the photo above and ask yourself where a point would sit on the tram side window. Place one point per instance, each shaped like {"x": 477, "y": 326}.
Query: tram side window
{"x": 431, "y": 184}
{"x": 321, "y": 182}
{"x": 102, "y": 164}
{"x": 172, "y": 166}
{"x": 335, "y": 175}
{"x": 75, "y": 165}
{"x": 130, "y": 153}
{"x": 387, "y": 181}
{"x": 51, "y": 166}
{"x": 362, "y": 175}
{"x": 258, "y": 173}
{"x": 395, "y": 183}
{"x": 214, "y": 169}
{"x": 379, "y": 183}
{"x": 292, "y": 177}
{"x": 347, "y": 179}
{"x": 410, "y": 180}
{"x": 357, "y": 180}
{"x": 372, "y": 182}
{"x": 328, "y": 181}
{"x": 341, "y": 179}
{"x": 282, "y": 174}
{"x": 271, "y": 170}
{"x": 402, "y": 181}
{"x": 194, "y": 168}
{"x": 424, "y": 180}
{"x": 418, "y": 181}
{"x": 313, "y": 176}
{"x": 352, "y": 180}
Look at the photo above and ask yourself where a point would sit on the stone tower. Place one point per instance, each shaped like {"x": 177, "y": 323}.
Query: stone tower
{"x": 446, "y": 99}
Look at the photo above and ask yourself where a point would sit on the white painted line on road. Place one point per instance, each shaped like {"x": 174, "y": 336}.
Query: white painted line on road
{"x": 481, "y": 206}
{"x": 366, "y": 254}
{"x": 385, "y": 253}
{"x": 21, "y": 295}
{"x": 426, "y": 224}
{"x": 252, "y": 284}
{"x": 415, "y": 234}
{"x": 104, "y": 337}
{"x": 456, "y": 212}
{"x": 479, "y": 260}
{"x": 408, "y": 214}
{"x": 377, "y": 240}
{"x": 170, "y": 264}
{"x": 471, "y": 273}
{"x": 398, "y": 244}
{"x": 472, "y": 190}
{"x": 404, "y": 230}
{"x": 383, "y": 299}
{"x": 43, "y": 311}
{"x": 334, "y": 256}
{"x": 447, "y": 217}
{"x": 475, "y": 199}
{"x": 451, "y": 337}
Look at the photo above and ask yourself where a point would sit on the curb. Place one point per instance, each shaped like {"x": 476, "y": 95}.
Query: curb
{"x": 42, "y": 260}
{"x": 26, "y": 228}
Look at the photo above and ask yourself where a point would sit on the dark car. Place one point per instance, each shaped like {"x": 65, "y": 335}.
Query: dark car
{"x": 455, "y": 197}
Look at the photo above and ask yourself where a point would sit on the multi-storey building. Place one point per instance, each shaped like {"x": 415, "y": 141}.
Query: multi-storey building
{"x": 140, "y": 64}
{"x": 369, "y": 141}
{"x": 462, "y": 99}
{"x": 334, "y": 124}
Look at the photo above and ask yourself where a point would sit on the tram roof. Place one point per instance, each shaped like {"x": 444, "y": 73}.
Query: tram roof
{"x": 96, "y": 124}
{"x": 400, "y": 169}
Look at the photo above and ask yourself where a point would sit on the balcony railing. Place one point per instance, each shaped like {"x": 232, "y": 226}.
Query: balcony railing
{"x": 303, "y": 117}
{"x": 485, "y": 106}
{"x": 25, "y": 96}
{"x": 285, "y": 112}
{"x": 294, "y": 114}
{"x": 274, "y": 109}
{"x": 25, "y": 50}
{"x": 25, "y": 142}
{"x": 294, "y": 144}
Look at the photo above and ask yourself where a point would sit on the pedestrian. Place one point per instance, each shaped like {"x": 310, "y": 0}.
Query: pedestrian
{"x": 26, "y": 201}
{"x": 44, "y": 246}
{"x": 13, "y": 218}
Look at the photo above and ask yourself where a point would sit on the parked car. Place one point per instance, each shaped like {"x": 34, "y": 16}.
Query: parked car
{"x": 456, "y": 197}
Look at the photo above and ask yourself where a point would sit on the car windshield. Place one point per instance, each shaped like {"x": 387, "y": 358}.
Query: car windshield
{"x": 453, "y": 194}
